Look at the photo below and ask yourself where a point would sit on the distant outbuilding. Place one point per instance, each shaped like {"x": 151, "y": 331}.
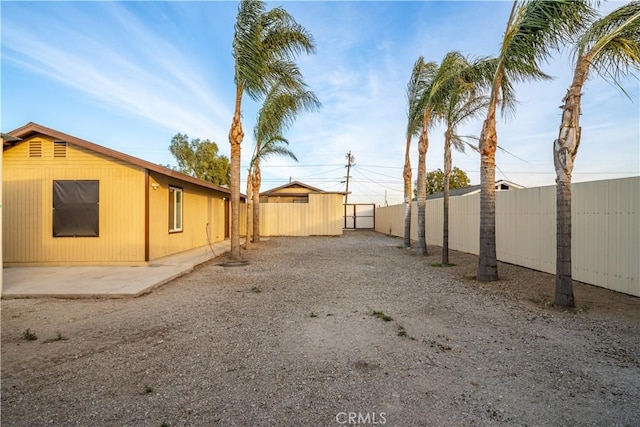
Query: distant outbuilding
{"x": 292, "y": 192}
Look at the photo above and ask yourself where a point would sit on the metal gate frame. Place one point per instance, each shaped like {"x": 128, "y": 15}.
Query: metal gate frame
{"x": 355, "y": 216}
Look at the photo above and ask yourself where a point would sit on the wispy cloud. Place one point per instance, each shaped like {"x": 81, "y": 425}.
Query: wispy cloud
{"x": 144, "y": 74}
{"x": 168, "y": 65}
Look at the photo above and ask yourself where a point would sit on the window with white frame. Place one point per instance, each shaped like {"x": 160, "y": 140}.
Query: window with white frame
{"x": 175, "y": 209}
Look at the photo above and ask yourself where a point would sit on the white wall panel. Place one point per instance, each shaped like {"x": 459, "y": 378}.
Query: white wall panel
{"x": 605, "y": 229}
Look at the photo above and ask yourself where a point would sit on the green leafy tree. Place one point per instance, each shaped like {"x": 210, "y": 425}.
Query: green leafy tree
{"x": 534, "y": 28}
{"x": 200, "y": 159}
{"x": 611, "y": 47}
{"x": 265, "y": 45}
{"x": 436, "y": 178}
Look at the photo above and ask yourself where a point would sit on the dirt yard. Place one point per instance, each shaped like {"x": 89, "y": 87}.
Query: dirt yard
{"x": 327, "y": 332}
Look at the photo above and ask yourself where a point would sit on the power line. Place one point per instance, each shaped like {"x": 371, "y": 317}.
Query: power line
{"x": 363, "y": 194}
{"x": 298, "y": 165}
{"x": 377, "y": 173}
{"x": 377, "y": 182}
{"x": 321, "y": 173}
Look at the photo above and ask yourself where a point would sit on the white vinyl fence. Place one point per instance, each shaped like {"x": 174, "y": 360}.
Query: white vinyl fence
{"x": 605, "y": 233}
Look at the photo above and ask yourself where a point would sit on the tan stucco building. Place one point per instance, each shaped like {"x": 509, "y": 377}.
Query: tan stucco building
{"x": 68, "y": 201}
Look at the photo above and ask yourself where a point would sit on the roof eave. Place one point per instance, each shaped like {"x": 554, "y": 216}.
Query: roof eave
{"x": 32, "y": 128}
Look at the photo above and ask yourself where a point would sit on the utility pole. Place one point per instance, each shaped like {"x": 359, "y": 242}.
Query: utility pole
{"x": 350, "y": 160}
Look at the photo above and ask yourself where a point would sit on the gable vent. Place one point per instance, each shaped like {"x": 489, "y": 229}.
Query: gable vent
{"x": 59, "y": 149}
{"x": 35, "y": 148}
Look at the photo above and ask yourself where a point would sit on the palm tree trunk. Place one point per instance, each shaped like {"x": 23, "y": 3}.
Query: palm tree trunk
{"x": 247, "y": 240}
{"x": 487, "y": 260}
{"x": 564, "y": 281}
{"x": 256, "y": 181}
{"x": 445, "y": 202}
{"x": 565, "y": 149}
{"x": 235, "y": 140}
{"x": 423, "y": 146}
{"x": 406, "y": 174}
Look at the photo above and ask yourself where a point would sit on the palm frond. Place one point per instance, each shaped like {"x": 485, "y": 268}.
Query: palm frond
{"x": 460, "y": 142}
{"x": 480, "y": 71}
{"x": 421, "y": 79}
{"x": 284, "y": 37}
{"x": 460, "y": 93}
{"x": 249, "y": 63}
{"x": 283, "y": 72}
{"x": 413, "y": 94}
{"x": 457, "y": 143}
{"x": 534, "y": 29}
{"x": 264, "y": 47}
{"x": 439, "y": 82}
{"x": 612, "y": 44}
{"x": 281, "y": 107}
{"x": 542, "y": 26}
{"x": 277, "y": 151}
{"x": 467, "y": 107}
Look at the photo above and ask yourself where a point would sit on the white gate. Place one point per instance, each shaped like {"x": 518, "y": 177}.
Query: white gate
{"x": 359, "y": 216}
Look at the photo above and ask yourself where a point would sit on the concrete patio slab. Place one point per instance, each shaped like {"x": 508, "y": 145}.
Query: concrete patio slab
{"x": 103, "y": 281}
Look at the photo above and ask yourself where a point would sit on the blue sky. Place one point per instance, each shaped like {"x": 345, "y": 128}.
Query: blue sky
{"x": 130, "y": 75}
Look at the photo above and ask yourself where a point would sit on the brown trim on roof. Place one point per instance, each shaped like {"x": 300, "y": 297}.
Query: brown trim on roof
{"x": 292, "y": 184}
{"x": 300, "y": 194}
{"x": 7, "y": 139}
{"x": 299, "y": 184}
{"x": 31, "y": 129}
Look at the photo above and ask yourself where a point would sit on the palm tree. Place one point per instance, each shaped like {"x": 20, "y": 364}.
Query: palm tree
{"x": 280, "y": 108}
{"x": 439, "y": 80}
{"x": 415, "y": 92}
{"x": 265, "y": 45}
{"x": 534, "y": 29}
{"x": 464, "y": 101}
{"x": 611, "y": 46}
{"x": 276, "y": 145}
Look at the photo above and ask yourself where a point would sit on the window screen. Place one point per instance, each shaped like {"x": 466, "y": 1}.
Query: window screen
{"x": 75, "y": 208}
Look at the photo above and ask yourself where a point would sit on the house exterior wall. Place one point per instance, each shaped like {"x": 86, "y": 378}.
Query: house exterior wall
{"x": 203, "y": 217}
{"x": 605, "y": 229}
{"x": 322, "y": 216}
{"x": 28, "y": 207}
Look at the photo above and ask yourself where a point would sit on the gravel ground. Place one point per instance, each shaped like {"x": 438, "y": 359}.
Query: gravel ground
{"x": 327, "y": 331}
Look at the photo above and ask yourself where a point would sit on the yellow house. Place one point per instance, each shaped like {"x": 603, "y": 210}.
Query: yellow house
{"x": 68, "y": 201}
